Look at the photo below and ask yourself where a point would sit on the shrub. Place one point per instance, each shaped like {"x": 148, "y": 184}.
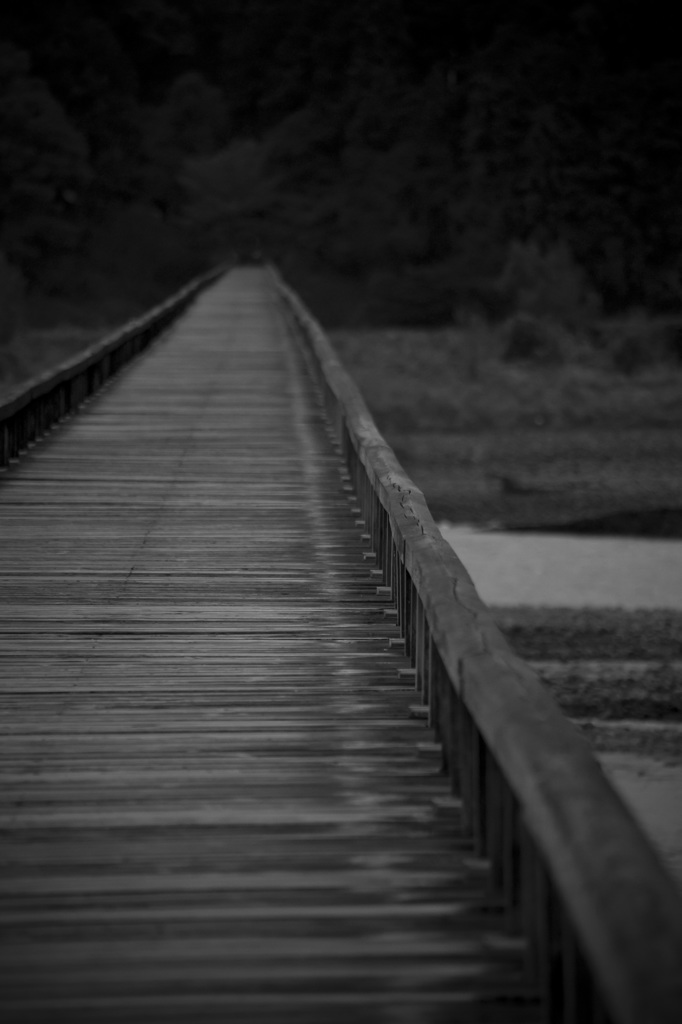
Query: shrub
{"x": 480, "y": 301}
{"x": 527, "y": 338}
{"x": 672, "y": 333}
{"x": 478, "y": 344}
{"x": 549, "y": 285}
{"x": 637, "y": 341}
{"x": 137, "y": 253}
{"x": 420, "y": 296}
{"x": 11, "y": 300}
{"x": 336, "y": 300}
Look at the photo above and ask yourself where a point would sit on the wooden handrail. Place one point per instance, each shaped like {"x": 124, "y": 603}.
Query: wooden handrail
{"x": 601, "y": 915}
{"x": 37, "y": 406}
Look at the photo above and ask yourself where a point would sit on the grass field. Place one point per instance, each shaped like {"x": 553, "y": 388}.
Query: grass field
{"x": 519, "y": 444}
{"x": 37, "y": 350}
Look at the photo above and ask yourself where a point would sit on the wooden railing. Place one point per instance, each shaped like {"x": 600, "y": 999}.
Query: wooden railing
{"x": 601, "y": 916}
{"x": 43, "y": 402}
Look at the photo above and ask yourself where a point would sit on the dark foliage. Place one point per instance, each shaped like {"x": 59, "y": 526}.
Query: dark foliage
{"x": 399, "y": 147}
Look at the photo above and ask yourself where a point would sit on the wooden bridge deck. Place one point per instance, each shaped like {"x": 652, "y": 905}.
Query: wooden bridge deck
{"x": 215, "y": 804}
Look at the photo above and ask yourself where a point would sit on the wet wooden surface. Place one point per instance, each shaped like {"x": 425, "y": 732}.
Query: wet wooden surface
{"x": 215, "y": 804}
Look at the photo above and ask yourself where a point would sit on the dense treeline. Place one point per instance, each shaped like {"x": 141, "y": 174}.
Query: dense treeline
{"x": 412, "y": 152}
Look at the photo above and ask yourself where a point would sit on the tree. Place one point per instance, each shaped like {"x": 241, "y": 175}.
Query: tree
{"x": 229, "y": 195}
{"x": 191, "y": 122}
{"x": 557, "y": 145}
{"x": 44, "y": 169}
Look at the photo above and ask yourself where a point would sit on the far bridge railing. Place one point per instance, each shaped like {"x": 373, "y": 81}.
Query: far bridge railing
{"x": 36, "y": 407}
{"x": 601, "y": 915}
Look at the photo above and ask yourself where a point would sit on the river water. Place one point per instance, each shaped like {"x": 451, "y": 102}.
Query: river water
{"x": 578, "y": 572}
{"x": 568, "y": 571}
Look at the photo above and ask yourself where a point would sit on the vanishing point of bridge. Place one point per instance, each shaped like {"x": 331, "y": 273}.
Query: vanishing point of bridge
{"x": 264, "y": 755}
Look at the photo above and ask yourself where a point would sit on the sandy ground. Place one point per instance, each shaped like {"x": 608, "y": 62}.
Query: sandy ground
{"x": 551, "y": 570}
{"x": 606, "y": 668}
{"x": 618, "y": 675}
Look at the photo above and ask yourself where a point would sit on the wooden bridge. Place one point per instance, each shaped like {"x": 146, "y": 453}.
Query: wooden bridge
{"x": 265, "y": 756}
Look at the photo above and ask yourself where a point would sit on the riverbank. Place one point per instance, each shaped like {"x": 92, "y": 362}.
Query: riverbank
{"x": 605, "y": 663}
{"x": 627, "y": 478}
{"x": 618, "y": 676}
{"x": 525, "y": 446}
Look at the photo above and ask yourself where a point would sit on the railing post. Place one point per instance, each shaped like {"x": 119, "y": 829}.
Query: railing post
{"x": 511, "y": 857}
{"x": 466, "y": 767}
